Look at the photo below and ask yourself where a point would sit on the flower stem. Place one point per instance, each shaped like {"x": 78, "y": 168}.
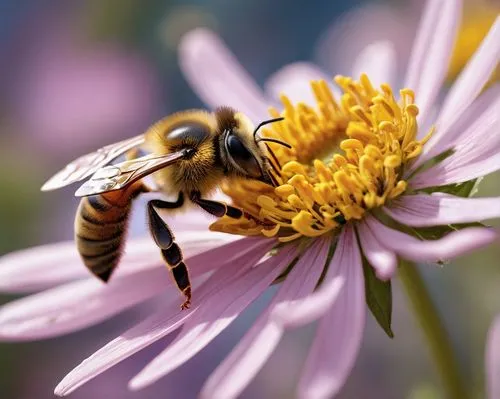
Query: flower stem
{"x": 434, "y": 331}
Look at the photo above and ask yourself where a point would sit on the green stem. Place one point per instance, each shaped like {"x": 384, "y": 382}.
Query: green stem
{"x": 434, "y": 331}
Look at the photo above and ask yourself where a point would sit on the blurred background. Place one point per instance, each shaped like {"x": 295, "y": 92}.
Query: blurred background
{"x": 77, "y": 75}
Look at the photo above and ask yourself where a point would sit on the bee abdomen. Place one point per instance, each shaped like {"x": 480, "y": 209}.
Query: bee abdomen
{"x": 100, "y": 228}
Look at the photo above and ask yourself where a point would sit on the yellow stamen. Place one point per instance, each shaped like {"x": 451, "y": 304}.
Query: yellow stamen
{"x": 347, "y": 159}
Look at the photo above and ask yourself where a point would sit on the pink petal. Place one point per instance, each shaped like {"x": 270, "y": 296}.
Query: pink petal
{"x": 382, "y": 260}
{"x": 47, "y": 266}
{"x": 217, "y": 77}
{"x": 422, "y": 210}
{"x": 478, "y": 142}
{"x": 450, "y": 246}
{"x": 444, "y": 173}
{"x": 253, "y": 350}
{"x": 40, "y": 267}
{"x": 77, "y": 305}
{"x": 378, "y": 61}
{"x": 300, "y": 284}
{"x": 233, "y": 251}
{"x": 492, "y": 356}
{"x": 294, "y": 81}
{"x": 340, "y": 331}
{"x": 473, "y": 77}
{"x": 168, "y": 318}
{"x": 80, "y": 304}
{"x": 470, "y": 136}
{"x": 299, "y": 312}
{"x": 213, "y": 316}
{"x": 432, "y": 49}
{"x": 153, "y": 328}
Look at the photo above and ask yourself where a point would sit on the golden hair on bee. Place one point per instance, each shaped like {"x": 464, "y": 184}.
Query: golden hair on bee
{"x": 190, "y": 154}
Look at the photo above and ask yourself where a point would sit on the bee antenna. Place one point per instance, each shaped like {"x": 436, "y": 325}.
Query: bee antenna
{"x": 266, "y": 123}
{"x": 273, "y": 141}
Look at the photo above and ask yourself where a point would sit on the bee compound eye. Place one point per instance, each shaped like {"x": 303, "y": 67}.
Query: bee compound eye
{"x": 242, "y": 156}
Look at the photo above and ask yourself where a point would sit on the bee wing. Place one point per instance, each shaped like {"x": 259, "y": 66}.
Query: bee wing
{"x": 87, "y": 165}
{"x": 117, "y": 177}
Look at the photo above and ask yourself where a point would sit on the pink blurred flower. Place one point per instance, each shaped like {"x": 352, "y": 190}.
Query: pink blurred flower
{"x": 222, "y": 291}
{"x": 68, "y": 94}
{"x": 338, "y": 48}
{"x": 492, "y": 355}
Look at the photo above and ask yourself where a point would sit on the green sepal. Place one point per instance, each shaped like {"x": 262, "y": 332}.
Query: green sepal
{"x": 437, "y": 232}
{"x": 378, "y": 295}
{"x": 464, "y": 190}
{"x": 301, "y": 246}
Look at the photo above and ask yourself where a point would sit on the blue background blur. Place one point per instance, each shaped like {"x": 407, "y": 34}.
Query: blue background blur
{"x": 76, "y": 75}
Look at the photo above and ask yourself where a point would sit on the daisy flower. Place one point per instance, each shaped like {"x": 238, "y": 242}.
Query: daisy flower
{"x": 362, "y": 188}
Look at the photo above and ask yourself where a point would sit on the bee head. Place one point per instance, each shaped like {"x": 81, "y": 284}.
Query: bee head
{"x": 240, "y": 150}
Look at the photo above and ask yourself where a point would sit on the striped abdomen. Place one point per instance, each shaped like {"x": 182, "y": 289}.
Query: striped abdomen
{"x": 100, "y": 229}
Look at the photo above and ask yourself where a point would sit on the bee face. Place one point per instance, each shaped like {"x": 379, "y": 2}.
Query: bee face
{"x": 240, "y": 154}
{"x": 241, "y": 157}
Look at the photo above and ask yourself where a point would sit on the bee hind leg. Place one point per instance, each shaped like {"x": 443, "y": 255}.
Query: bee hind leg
{"x": 170, "y": 251}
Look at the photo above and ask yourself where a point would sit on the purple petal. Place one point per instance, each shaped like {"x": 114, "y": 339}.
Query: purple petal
{"x": 383, "y": 260}
{"x": 465, "y": 90}
{"x": 168, "y": 318}
{"x": 80, "y": 304}
{"x": 450, "y": 246}
{"x": 473, "y": 77}
{"x": 478, "y": 142}
{"x": 296, "y": 313}
{"x": 294, "y": 80}
{"x": 492, "y": 356}
{"x": 470, "y": 136}
{"x": 303, "y": 309}
{"x": 253, "y": 350}
{"x": 340, "y": 331}
{"x": 378, "y": 61}
{"x": 431, "y": 52}
{"x": 213, "y": 316}
{"x": 443, "y": 173}
{"x": 77, "y": 305}
{"x": 422, "y": 210}
{"x": 217, "y": 77}
{"x": 47, "y": 266}
{"x": 40, "y": 267}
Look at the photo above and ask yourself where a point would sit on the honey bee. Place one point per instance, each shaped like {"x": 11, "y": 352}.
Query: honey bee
{"x": 188, "y": 154}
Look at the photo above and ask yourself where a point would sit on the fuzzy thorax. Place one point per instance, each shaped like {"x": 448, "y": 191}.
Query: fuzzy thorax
{"x": 348, "y": 158}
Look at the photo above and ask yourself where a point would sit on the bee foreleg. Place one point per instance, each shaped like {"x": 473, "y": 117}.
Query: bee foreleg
{"x": 170, "y": 251}
{"x": 215, "y": 208}
{"x": 221, "y": 209}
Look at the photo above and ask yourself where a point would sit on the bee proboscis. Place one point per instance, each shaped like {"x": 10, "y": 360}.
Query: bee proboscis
{"x": 190, "y": 154}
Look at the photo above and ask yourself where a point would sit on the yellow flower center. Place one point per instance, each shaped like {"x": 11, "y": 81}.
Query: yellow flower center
{"x": 347, "y": 158}
{"x": 477, "y": 21}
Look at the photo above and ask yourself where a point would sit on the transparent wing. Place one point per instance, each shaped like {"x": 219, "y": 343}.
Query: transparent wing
{"x": 87, "y": 165}
{"x": 117, "y": 177}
